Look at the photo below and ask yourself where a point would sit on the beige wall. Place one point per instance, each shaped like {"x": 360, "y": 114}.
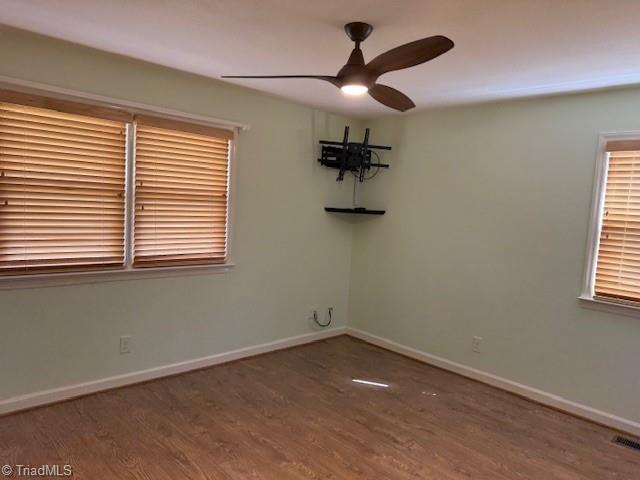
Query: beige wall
{"x": 485, "y": 234}
{"x": 289, "y": 253}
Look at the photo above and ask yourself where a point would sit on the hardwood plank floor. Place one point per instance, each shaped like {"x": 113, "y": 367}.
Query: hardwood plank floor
{"x": 296, "y": 414}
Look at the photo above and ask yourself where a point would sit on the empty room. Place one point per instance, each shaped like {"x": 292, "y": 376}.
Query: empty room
{"x": 291, "y": 240}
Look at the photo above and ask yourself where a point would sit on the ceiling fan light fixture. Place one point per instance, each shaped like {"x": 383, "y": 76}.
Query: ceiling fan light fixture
{"x": 354, "y": 89}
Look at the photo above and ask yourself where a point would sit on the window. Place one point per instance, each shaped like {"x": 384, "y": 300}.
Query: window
{"x": 87, "y": 188}
{"x": 61, "y": 191}
{"x": 614, "y": 270}
{"x": 181, "y": 195}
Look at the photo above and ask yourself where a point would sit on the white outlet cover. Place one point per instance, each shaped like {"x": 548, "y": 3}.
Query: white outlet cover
{"x": 125, "y": 344}
{"x": 476, "y": 343}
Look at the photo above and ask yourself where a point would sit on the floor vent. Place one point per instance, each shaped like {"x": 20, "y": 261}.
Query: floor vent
{"x": 627, "y": 442}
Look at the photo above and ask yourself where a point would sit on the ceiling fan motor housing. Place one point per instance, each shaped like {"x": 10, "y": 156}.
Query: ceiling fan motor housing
{"x": 355, "y": 75}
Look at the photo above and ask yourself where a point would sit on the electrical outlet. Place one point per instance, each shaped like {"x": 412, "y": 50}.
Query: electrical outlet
{"x": 125, "y": 344}
{"x": 313, "y": 313}
{"x": 476, "y": 344}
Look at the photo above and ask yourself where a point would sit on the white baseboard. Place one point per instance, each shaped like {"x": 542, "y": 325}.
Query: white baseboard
{"x": 46, "y": 397}
{"x": 540, "y": 396}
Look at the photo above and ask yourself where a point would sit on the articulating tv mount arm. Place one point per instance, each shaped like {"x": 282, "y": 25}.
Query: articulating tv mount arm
{"x": 348, "y": 156}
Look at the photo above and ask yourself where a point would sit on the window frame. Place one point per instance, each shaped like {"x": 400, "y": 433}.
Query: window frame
{"x": 587, "y": 294}
{"x": 127, "y": 271}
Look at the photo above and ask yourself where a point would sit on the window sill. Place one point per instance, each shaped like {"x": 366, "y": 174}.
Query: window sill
{"x": 611, "y": 306}
{"x": 75, "y": 278}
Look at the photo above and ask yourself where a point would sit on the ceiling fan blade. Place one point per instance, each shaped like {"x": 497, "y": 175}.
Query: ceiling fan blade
{"x": 391, "y": 97}
{"x": 410, "y": 54}
{"x": 326, "y": 78}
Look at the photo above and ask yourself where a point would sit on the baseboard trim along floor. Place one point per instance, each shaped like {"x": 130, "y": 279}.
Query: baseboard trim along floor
{"x": 46, "y": 397}
{"x": 530, "y": 393}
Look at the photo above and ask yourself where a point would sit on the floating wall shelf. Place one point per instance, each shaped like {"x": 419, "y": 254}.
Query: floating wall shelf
{"x": 355, "y": 211}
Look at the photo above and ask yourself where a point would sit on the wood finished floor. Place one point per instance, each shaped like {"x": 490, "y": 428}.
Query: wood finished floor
{"x": 295, "y": 414}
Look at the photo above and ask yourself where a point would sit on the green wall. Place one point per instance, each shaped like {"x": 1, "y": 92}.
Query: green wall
{"x": 488, "y": 210}
{"x": 485, "y": 235}
{"x": 289, "y": 253}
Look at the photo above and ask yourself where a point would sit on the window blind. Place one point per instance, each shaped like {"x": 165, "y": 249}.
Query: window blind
{"x": 618, "y": 262}
{"x": 181, "y": 186}
{"x": 62, "y": 178}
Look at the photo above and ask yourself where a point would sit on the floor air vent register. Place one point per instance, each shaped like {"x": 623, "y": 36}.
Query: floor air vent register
{"x": 627, "y": 442}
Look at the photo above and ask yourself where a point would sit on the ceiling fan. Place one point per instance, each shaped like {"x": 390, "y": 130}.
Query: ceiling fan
{"x": 358, "y": 78}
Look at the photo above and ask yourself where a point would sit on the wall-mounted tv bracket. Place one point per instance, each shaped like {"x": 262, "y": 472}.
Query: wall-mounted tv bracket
{"x": 356, "y": 158}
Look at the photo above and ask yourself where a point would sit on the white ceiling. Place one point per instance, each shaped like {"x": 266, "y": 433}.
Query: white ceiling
{"x": 504, "y": 48}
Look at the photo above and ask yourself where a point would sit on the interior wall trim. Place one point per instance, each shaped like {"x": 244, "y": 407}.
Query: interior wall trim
{"x": 38, "y": 88}
{"x": 539, "y": 396}
{"x": 46, "y": 397}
